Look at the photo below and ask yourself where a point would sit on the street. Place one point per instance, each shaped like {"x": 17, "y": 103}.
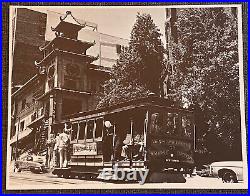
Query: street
{"x": 28, "y": 180}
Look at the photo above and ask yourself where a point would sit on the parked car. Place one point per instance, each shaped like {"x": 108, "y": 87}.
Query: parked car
{"x": 204, "y": 170}
{"x": 229, "y": 171}
{"x": 33, "y": 163}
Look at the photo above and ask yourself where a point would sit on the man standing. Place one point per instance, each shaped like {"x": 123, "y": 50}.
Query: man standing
{"x": 56, "y": 151}
{"x": 50, "y": 148}
{"x": 108, "y": 141}
{"x": 63, "y": 146}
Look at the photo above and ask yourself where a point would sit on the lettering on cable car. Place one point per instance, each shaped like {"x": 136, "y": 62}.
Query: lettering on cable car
{"x": 185, "y": 145}
{"x": 85, "y": 149}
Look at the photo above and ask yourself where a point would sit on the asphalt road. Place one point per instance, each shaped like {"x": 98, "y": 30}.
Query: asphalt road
{"x": 28, "y": 180}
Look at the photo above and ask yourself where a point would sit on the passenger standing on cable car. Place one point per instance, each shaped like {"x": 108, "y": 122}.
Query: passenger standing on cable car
{"x": 108, "y": 141}
{"x": 119, "y": 138}
{"x": 63, "y": 146}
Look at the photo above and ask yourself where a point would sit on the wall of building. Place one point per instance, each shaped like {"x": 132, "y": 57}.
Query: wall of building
{"x": 26, "y": 107}
{"x": 29, "y": 33}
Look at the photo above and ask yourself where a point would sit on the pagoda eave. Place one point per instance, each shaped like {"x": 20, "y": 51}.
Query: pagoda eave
{"x": 88, "y": 58}
{"x": 62, "y": 25}
{"x": 85, "y": 44}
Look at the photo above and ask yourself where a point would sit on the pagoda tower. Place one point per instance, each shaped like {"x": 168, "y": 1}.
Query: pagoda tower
{"x": 66, "y": 67}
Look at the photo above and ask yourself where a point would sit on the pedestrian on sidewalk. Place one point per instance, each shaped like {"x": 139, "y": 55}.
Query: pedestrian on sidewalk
{"x": 50, "y": 149}
{"x": 56, "y": 151}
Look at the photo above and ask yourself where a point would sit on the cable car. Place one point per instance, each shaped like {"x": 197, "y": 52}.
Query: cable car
{"x": 143, "y": 134}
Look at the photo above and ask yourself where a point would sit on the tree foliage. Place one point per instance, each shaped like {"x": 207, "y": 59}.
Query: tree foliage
{"x": 206, "y": 73}
{"x": 139, "y": 66}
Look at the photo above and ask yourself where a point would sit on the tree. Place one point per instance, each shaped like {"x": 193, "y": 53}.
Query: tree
{"x": 206, "y": 74}
{"x": 139, "y": 66}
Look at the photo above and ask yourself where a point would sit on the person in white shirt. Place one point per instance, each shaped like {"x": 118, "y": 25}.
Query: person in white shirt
{"x": 63, "y": 145}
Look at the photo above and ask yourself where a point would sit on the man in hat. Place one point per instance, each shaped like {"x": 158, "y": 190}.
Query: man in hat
{"x": 108, "y": 141}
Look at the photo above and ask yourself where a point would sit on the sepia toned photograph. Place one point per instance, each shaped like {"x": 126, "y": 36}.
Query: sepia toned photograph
{"x": 126, "y": 97}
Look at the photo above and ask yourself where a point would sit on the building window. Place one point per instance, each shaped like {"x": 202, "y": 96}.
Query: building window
{"x": 23, "y": 103}
{"x": 40, "y": 112}
{"x": 33, "y": 116}
{"x": 13, "y": 132}
{"x": 118, "y": 49}
{"x": 22, "y": 126}
{"x": 167, "y": 12}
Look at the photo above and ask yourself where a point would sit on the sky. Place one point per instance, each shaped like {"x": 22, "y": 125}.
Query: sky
{"x": 116, "y": 21}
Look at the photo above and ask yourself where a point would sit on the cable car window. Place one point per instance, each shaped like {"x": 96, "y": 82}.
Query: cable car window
{"x": 90, "y": 129}
{"x": 187, "y": 128}
{"x": 165, "y": 123}
{"x": 74, "y": 131}
{"x": 99, "y": 128}
{"x": 82, "y": 131}
{"x": 171, "y": 123}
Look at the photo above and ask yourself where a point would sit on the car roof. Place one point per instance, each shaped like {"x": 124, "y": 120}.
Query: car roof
{"x": 227, "y": 163}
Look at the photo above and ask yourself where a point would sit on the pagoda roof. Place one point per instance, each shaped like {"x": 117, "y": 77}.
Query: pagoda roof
{"x": 68, "y": 21}
{"x": 89, "y": 58}
{"x": 85, "y": 44}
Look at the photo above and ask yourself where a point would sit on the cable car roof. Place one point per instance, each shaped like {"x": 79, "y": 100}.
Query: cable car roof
{"x": 141, "y": 103}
